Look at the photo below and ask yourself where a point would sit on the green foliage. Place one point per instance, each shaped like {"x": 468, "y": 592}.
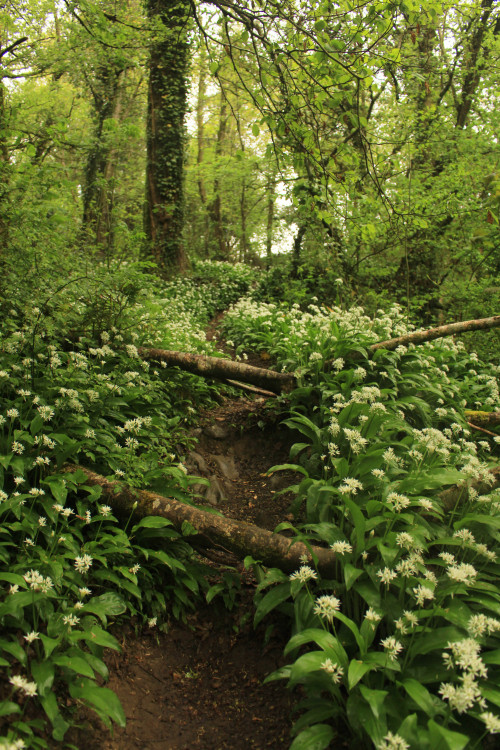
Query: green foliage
{"x": 73, "y": 390}
{"x": 400, "y": 648}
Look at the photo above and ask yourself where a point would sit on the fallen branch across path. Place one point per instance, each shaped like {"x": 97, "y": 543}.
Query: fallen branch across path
{"x": 223, "y": 369}
{"x": 214, "y": 531}
{"x": 283, "y": 382}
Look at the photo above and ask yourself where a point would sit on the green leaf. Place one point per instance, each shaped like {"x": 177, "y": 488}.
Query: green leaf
{"x": 49, "y": 644}
{"x": 98, "y": 636}
{"x": 424, "y": 700}
{"x": 151, "y": 522}
{"x": 8, "y": 707}
{"x": 271, "y": 600}
{"x": 103, "y": 700}
{"x": 75, "y": 663}
{"x": 317, "y": 737}
{"x": 445, "y": 739}
{"x": 13, "y": 648}
{"x": 358, "y": 520}
{"x": 375, "y": 699}
{"x": 491, "y": 694}
{"x": 51, "y": 708}
{"x": 255, "y": 129}
{"x": 305, "y": 664}
{"x": 109, "y": 603}
{"x": 43, "y": 674}
{"x": 351, "y": 574}
{"x": 321, "y": 638}
{"x": 435, "y": 640}
{"x": 357, "y": 670}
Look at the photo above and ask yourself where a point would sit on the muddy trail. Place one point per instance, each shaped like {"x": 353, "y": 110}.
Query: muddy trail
{"x": 200, "y": 684}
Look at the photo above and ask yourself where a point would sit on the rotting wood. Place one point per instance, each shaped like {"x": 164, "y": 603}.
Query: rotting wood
{"x": 483, "y": 418}
{"x": 280, "y": 382}
{"x": 214, "y": 531}
{"x": 224, "y": 369}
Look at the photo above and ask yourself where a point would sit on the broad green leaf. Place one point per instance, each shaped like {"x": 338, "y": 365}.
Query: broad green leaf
{"x": 357, "y": 670}
{"x": 436, "y": 639}
{"x": 445, "y": 739}
{"x": 43, "y": 674}
{"x": 317, "y": 737}
{"x": 271, "y": 600}
{"x": 103, "y": 700}
{"x": 51, "y": 708}
{"x": 305, "y": 664}
{"x": 375, "y": 699}
{"x": 8, "y": 707}
{"x": 75, "y": 663}
{"x": 351, "y": 574}
{"x": 424, "y": 700}
{"x": 151, "y": 522}
{"x": 321, "y": 638}
{"x": 49, "y": 644}
{"x": 491, "y": 694}
{"x": 98, "y": 636}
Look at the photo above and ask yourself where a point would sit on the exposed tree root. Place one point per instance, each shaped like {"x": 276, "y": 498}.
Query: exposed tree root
{"x": 214, "y": 531}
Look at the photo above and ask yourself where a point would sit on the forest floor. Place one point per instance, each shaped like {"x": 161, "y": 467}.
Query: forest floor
{"x": 200, "y": 684}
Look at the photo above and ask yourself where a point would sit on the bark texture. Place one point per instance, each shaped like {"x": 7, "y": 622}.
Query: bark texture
{"x": 483, "y": 418}
{"x": 213, "y": 531}
{"x": 167, "y": 104}
{"x": 223, "y": 369}
{"x": 279, "y": 382}
{"x": 420, "y": 337}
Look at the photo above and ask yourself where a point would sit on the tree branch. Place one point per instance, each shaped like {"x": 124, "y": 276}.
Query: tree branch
{"x": 213, "y": 531}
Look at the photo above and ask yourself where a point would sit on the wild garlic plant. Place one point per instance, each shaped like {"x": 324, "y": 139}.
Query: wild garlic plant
{"x": 401, "y": 647}
{"x": 69, "y": 568}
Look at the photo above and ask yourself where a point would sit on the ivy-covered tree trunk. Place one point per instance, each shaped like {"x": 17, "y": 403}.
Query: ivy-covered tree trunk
{"x": 167, "y": 101}
{"x": 97, "y": 192}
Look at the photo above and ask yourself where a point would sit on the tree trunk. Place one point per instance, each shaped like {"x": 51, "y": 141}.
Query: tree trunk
{"x": 215, "y": 206}
{"x": 214, "y": 531}
{"x": 167, "y": 103}
{"x": 97, "y": 192}
{"x": 270, "y": 193}
{"x": 476, "y": 57}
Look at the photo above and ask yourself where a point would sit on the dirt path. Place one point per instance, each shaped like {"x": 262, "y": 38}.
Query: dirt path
{"x": 200, "y": 685}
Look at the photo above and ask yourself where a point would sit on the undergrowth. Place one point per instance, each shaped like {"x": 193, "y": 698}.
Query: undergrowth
{"x": 74, "y": 390}
{"x": 401, "y": 649}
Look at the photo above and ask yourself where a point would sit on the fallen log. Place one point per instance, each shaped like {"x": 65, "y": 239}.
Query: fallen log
{"x": 214, "y": 531}
{"x": 483, "y": 418}
{"x": 460, "y": 492}
{"x": 421, "y": 337}
{"x": 283, "y": 382}
{"x": 223, "y": 369}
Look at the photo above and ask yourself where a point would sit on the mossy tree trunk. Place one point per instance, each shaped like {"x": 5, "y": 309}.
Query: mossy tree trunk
{"x": 167, "y": 102}
{"x": 98, "y": 188}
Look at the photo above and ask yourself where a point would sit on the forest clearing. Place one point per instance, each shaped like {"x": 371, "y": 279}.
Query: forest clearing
{"x": 249, "y": 375}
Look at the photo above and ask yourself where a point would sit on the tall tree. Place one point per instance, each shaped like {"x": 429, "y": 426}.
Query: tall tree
{"x": 167, "y": 104}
